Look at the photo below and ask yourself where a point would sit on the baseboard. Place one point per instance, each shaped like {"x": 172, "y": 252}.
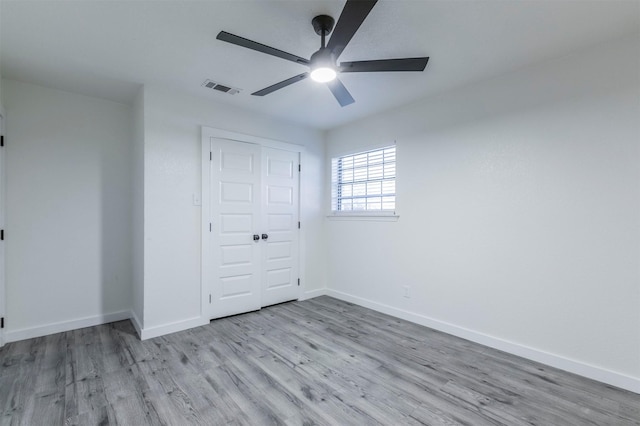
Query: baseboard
{"x": 161, "y": 330}
{"x": 576, "y": 367}
{"x": 313, "y": 293}
{"x": 137, "y": 324}
{"x": 60, "y": 327}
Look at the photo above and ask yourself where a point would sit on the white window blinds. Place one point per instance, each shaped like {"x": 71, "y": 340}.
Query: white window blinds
{"x": 364, "y": 182}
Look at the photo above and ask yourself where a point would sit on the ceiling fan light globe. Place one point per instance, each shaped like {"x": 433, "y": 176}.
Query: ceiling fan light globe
{"x": 323, "y": 74}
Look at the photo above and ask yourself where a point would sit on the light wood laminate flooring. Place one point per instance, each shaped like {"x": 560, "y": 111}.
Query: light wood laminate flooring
{"x": 322, "y": 361}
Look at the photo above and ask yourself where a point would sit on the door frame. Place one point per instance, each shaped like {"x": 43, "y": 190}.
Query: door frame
{"x": 206, "y": 244}
{"x": 3, "y": 212}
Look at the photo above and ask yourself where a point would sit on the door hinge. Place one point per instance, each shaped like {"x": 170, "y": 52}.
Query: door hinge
{"x": 209, "y": 298}
{"x": 299, "y": 168}
{"x": 298, "y": 282}
{"x": 2, "y": 235}
{"x": 209, "y": 226}
{"x": 1, "y": 140}
{"x": 298, "y": 225}
{"x": 210, "y": 156}
{"x": 2, "y": 322}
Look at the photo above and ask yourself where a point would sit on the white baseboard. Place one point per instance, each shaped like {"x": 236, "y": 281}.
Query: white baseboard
{"x": 160, "y": 330}
{"x": 580, "y": 368}
{"x": 313, "y": 293}
{"x": 137, "y": 324}
{"x": 62, "y": 326}
{"x": 143, "y": 333}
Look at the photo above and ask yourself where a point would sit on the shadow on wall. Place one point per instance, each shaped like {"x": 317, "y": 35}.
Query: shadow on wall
{"x": 115, "y": 211}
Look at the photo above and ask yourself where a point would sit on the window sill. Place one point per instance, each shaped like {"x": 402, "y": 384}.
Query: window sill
{"x": 370, "y": 217}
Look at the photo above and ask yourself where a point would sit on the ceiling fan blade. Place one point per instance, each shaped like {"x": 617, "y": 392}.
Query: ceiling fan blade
{"x": 254, "y": 45}
{"x": 404, "y": 64}
{"x": 340, "y": 92}
{"x": 282, "y": 84}
{"x": 352, "y": 16}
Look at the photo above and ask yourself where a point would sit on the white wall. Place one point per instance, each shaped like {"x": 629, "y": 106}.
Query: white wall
{"x": 172, "y": 174}
{"x": 137, "y": 223}
{"x": 519, "y": 204}
{"x": 68, "y": 210}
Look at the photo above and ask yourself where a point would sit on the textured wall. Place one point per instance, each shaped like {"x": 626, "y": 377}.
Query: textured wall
{"x": 519, "y": 204}
{"x": 68, "y": 207}
{"x": 172, "y": 174}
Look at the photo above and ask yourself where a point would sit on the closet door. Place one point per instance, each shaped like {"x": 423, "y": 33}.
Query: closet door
{"x": 280, "y": 193}
{"x": 235, "y": 206}
{"x": 254, "y": 203}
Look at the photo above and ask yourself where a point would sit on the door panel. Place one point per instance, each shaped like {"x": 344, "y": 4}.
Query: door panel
{"x": 280, "y": 183}
{"x": 235, "y": 206}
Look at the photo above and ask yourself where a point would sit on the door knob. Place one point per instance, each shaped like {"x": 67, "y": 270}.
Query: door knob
{"x": 265, "y": 236}
{"x": 256, "y": 237}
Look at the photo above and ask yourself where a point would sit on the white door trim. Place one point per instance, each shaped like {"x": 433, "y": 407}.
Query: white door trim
{"x": 3, "y": 211}
{"x": 206, "y": 246}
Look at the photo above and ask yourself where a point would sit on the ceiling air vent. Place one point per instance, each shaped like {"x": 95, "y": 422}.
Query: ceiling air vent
{"x": 210, "y": 84}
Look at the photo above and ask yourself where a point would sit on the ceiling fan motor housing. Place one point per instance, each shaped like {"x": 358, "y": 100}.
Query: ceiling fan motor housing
{"x": 323, "y": 23}
{"x": 324, "y": 57}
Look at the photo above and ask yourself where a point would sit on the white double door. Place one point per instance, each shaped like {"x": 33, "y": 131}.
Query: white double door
{"x": 254, "y": 204}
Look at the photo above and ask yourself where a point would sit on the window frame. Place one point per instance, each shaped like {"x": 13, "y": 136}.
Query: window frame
{"x": 376, "y": 215}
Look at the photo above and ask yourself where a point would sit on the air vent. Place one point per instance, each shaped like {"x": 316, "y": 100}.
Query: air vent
{"x": 210, "y": 84}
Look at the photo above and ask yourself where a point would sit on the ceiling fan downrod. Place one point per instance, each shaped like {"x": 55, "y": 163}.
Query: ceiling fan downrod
{"x": 323, "y": 25}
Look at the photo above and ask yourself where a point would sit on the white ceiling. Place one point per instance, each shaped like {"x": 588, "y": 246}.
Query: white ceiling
{"x": 108, "y": 48}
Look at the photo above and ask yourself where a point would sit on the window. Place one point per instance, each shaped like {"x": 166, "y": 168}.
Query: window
{"x": 364, "y": 182}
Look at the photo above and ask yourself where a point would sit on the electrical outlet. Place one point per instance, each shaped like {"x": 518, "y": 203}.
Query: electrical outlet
{"x": 406, "y": 291}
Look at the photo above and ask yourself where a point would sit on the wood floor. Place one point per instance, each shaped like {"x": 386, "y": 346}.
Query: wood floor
{"x": 322, "y": 361}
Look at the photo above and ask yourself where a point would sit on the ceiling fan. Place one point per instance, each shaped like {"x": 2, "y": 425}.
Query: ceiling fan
{"x": 323, "y": 63}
